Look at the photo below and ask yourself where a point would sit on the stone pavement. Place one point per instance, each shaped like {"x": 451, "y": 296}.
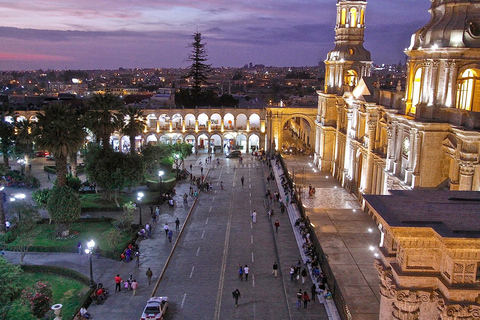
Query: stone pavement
{"x": 348, "y": 236}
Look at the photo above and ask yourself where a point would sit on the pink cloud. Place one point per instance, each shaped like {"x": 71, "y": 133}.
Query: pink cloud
{"x": 31, "y": 57}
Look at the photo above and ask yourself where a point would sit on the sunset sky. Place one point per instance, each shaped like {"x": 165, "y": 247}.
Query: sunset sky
{"x": 108, "y": 34}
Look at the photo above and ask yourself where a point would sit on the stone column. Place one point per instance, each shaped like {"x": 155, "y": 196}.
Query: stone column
{"x": 433, "y": 83}
{"x": 467, "y": 170}
{"x": 372, "y": 125}
{"x": 336, "y": 160}
{"x": 452, "y": 84}
{"x": 348, "y": 148}
{"x": 391, "y": 132}
{"x": 248, "y": 125}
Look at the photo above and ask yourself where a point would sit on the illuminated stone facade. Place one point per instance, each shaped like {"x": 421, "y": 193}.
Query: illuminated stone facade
{"x": 425, "y": 136}
{"x": 429, "y": 261}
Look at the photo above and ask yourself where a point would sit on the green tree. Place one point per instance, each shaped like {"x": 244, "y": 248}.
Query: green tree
{"x": 25, "y": 219}
{"x": 59, "y": 130}
{"x": 102, "y": 118}
{"x": 156, "y": 155}
{"x": 132, "y": 124}
{"x": 38, "y": 299}
{"x": 180, "y": 152}
{"x": 112, "y": 237}
{"x": 7, "y": 129}
{"x": 199, "y": 69}
{"x": 63, "y": 206}
{"x": 10, "y": 286}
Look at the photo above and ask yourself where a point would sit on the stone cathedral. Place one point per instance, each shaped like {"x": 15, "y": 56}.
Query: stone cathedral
{"x": 382, "y": 144}
{"x": 426, "y": 136}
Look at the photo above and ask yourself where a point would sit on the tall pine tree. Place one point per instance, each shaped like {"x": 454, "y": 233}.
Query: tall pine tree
{"x": 199, "y": 69}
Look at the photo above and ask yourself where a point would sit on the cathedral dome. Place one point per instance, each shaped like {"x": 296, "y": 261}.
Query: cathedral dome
{"x": 453, "y": 24}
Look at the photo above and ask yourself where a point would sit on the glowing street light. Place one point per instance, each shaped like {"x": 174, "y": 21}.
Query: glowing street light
{"x": 89, "y": 252}
{"x": 139, "y": 198}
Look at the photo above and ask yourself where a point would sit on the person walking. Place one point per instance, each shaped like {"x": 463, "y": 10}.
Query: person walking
{"x": 79, "y": 248}
{"x": 118, "y": 281}
{"x": 304, "y": 275}
{"x": 134, "y": 287}
{"x": 240, "y": 273}
{"x": 254, "y": 216}
{"x": 170, "y": 235}
{"x": 177, "y": 224}
{"x": 236, "y": 296}
{"x": 242, "y": 179}
{"x": 166, "y": 228}
{"x": 149, "y": 274}
{"x": 246, "y": 270}
{"x": 306, "y": 299}
{"x": 277, "y": 224}
{"x": 148, "y": 229}
{"x": 292, "y": 272}
{"x": 299, "y": 298}
{"x": 313, "y": 291}
{"x": 275, "y": 269}
{"x": 221, "y": 185}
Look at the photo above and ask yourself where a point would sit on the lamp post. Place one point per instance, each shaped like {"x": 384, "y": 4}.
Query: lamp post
{"x": 21, "y": 162}
{"x": 89, "y": 252}
{"x": 176, "y": 158}
{"x": 160, "y": 174}
{"x": 139, "y": 198}
{"x": 19, "y": 196}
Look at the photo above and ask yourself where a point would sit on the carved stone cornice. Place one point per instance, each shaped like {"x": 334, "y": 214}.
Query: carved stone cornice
{"x": 467, "y": 168}
{"x": 387, "y": 286}
{"x": 458, "y": 312}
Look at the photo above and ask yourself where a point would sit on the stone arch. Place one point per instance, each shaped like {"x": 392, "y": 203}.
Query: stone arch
{"x": 164, "y": 122}
{"x": 190, "y": 121}
{"x": 202, "y": 121}
{"x": 241, "y": 142}
{"x": 306, "y": 134}
{"x": 215, "y": 121}
{"x": 216, "y": 142}
{"x": 152, "y": 121}
{"x": 177, "y": 121}
{"x": 254, "y": 121}
{"x": 254, "y": 142}
{"x": 202, "y": 141}
{"x": 241, "y": 123}
{"x": 228, "y": 121}
{"x": 33, "y": 118}
{"x": 151, "y": 139}
{"x": 228, "y": 142}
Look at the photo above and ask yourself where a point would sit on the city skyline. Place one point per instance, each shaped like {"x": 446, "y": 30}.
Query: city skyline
{"x": 110, "y": 35}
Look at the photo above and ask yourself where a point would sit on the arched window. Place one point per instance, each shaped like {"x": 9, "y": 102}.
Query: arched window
{"x": 343, "y": 18}
{"x": 416, "y": 90}
{"x": 353, "y": 17}
{"x": 351, "y": 78}
{"x": 362, "y": 17}
{"x": 468, "y": 90}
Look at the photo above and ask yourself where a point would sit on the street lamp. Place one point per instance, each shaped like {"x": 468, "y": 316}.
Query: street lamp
{"x": 89, "y": 252}
{"x": 19, "y": 196}
{"x": 21, "y": 162}
{"x": 139, "y": 198}
{"x": 176, "y": 158}
{"x": 160, "y": 174}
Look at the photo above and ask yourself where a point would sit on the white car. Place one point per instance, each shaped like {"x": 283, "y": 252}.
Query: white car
{"x": 155, "y": 308}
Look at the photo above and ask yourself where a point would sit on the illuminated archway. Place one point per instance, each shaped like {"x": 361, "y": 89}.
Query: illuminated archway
{"x": 468, "y": 90}
{"x": 416, "y": 90}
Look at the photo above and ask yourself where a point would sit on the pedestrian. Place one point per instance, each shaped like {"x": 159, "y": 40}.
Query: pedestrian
{"x": 313, "y": 291}
{"x": 177, "y": 224}
{"x": 277, "y": 224}
{"x": 149, "y": 230}
{"x": 185, "y": 199}
{"x": 240, "y": 273}
{"x": 157, "y": 211}
{"x": 137, "y": 259}
{"x": 221, "y": 185}
{"x": 149, "y": 274}
{"x": 292, "y": 272}
{"x": 306, "y": 299}
{"x": 242, "y": 179}
{"x": 299, "y": 298}
{"x": 79, "y": 248}
{"x": 275, "y": 269}
{"x": 134, "y": 287}
{"x": 118, "y": 281}
{"x": 97, "y": 252}
{"x": 236, "y": 296}
{"x": 304, "y": 275}
{"x": 246, "y": 270}
{"x": 254, "y": 216}
{"x": 190, "y": 167}
{"x": 170, "y": 235}
{"x": 166, "y": 229}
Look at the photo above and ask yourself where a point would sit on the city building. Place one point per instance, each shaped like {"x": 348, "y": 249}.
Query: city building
{"x": 424, "y": 136}
{"x": 429, "y": 261}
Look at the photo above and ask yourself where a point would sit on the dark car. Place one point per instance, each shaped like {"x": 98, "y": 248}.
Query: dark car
{"x": 234, "y": 154}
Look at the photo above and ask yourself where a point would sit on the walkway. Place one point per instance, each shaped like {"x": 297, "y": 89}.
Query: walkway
{"x": 348, "y": 236}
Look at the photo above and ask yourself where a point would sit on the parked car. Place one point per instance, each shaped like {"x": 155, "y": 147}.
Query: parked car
{"x": 234, "y": 154}
{"x": 41, "y": 153}
{"x": 155, "y": 308}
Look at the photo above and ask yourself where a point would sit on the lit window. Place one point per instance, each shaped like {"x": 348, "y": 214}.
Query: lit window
{"x": 416, "y": 90}
{"x": 343, "y": 17}
{"x": 468, "y": 90}
{"x": 362, "y": 17}
{"x": 353, "y": 17}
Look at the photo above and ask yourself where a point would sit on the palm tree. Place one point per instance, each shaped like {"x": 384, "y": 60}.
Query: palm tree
{"x": 7, "y": 130}
{"x": 133, "y": 124}
{"x": 24, "y": 141}
{"x": 102, "y": 119}
{"x": 60, "y": 131}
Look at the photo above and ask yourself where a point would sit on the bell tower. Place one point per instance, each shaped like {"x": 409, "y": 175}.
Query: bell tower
{"x": 349, "y": 60}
